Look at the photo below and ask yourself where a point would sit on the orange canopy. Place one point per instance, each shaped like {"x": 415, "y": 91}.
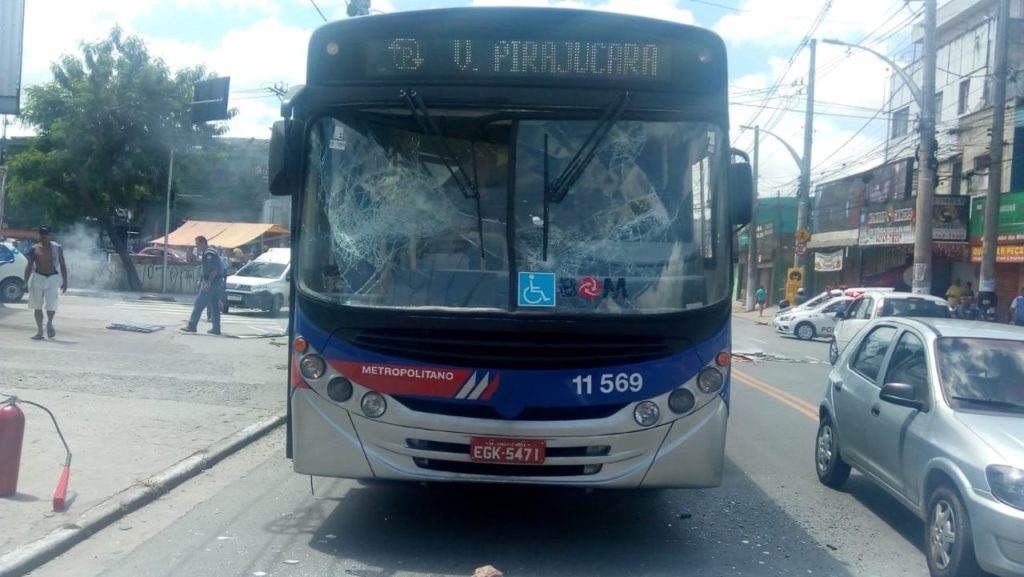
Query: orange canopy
{"x": 220, "y": 234}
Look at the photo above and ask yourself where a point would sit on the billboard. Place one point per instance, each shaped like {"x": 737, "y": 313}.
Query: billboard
{"x": 1011, "y": 218}
{"x": 12, "y": 23}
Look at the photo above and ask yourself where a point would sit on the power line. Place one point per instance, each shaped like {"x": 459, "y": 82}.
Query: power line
{"x": 318, "y": 11}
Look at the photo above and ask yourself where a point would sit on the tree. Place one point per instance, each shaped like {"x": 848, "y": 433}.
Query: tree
{"x": 105, "y": 127}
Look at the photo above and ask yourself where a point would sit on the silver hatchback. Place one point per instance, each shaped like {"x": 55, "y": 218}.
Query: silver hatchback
{"x": 932, "y": 410}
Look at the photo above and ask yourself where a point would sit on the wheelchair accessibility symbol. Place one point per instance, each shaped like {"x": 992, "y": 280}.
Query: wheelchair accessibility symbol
{"x": 536, "y": 289}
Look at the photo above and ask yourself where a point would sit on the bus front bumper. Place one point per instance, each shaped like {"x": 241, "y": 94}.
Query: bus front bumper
{"x": 687, "y": 452}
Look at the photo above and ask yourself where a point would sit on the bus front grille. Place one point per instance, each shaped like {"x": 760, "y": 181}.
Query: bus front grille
{"x": 514, "y": 350}
{"x": 477, "y": 411}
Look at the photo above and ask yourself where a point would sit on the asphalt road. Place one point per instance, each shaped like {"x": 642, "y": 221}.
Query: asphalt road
{"x": 251, "y": 515}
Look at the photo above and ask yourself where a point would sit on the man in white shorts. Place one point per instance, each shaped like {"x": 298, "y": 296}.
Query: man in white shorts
{"x": 44, "y": 274}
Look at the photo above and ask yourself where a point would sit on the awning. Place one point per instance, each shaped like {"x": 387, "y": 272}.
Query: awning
{"x": 834, "y": 238}
{"x": 220, "y": 234}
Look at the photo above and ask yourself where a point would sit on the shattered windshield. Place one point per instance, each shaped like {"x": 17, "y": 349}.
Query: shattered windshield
{"x": 386, "y": 222}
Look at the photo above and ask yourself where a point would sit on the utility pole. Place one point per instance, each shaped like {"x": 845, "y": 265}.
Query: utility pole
{"x": 922, "y": 273}
{"x": 752, "y": 231}
{"x": 800, "y": 248}
{"x": 167, "y": 223}
{"x": 987, "y": 284}
{"x": 3, "y": 171}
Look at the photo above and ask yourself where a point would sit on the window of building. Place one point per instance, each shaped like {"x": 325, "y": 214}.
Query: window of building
{"x": 900, "y": 122}
{"x": 938, "y": 107}
{"x": 956, "y": 176}
{"x": 965, "y": 91}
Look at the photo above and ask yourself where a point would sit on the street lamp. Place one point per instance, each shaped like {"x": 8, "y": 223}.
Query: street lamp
{"x": 924, "y": 97}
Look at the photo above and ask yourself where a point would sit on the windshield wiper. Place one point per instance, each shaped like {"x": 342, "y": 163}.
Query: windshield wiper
{"x": 467, "y": 186}
{"x": 556, "y": 190}
{"x": 991, "y": 403}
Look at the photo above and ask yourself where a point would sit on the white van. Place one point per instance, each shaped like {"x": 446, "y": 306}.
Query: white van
{"x": 262, "y": 284}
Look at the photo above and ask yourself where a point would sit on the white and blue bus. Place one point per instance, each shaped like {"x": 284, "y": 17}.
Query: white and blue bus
{"x": 512, "y": 248}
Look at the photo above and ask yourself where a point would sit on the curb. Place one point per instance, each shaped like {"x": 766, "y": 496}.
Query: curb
{"x": 31, "y": 556}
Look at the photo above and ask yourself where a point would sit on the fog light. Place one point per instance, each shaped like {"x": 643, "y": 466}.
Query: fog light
{"x": 710, "y": 380}
{"x": 312, "y": 366}
{"x": 681, "y": 401}
{"x": 421, "y": 462}
{"x": 591, "y": 469}
{"x": 646, "y": 414}
{"x": 373, "y": 404}
{"x": 339, "y": 389}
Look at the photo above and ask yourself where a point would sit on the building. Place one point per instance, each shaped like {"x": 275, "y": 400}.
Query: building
{"x": 775, "y": 229}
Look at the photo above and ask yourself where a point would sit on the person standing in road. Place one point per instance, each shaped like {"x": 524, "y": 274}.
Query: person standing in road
{"x": 209, "y": 291}
{"x": 1017, "y": 309}
{"x": 760, "y": 297}
{"x": 953, "y": 294}
{"x": 45, "y": 272}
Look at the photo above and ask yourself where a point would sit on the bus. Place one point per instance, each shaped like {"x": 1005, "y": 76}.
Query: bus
{"x": 512, "y": 249}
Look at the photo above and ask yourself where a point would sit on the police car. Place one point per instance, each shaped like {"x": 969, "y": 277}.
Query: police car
{"x": 817, "y": 321}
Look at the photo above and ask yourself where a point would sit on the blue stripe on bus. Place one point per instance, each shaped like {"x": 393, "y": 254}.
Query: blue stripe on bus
{"x": 518, "y": 389}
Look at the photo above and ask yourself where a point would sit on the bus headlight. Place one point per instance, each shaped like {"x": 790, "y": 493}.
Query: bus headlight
{"x": 646, "y": 413}
{"x": 681, "y": 401}
{"x": 710, "y": 380}
{"x": 339, "y": 389}
{"x": 312, "y": 366}
{"x": 373, "y": 404}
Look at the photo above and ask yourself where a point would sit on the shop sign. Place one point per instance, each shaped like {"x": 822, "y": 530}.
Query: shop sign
{"x": 950, "y": 218}
{"x": 1011, "y": 218}
{"x": 828, "y": 261}
{"x": 1005, "y": 253}
{"x": 840, "y": 203}
{"x": 893, "y": 225}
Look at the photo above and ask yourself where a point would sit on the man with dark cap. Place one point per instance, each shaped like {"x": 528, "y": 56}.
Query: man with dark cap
{"x": 45, "y": 272}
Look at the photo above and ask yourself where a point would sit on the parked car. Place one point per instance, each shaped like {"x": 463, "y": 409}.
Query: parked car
{"x": 12, "y": 273}
{"x": 826, "y": 295}
{"x": 873, "y": 304}
{"x": 932, "y": 410}
{"x": 156, "y": 253}
{"x": 264, "y": 283}
{"x": 819, "y": 321}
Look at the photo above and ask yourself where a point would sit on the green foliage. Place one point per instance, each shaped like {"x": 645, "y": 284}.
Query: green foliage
{"x": 105, "y": 126}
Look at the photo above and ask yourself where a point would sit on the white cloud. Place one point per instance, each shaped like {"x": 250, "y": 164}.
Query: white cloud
{"x": 661, "y": 9}
{"x": 772, "y": 23}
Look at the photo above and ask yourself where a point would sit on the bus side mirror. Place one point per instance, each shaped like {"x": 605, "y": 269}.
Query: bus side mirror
{"x": 285, "y": 148}
{"x": 741, "y": 190}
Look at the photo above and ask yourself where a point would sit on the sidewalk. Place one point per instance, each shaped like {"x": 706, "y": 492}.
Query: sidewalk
{"x": 739, "y": 312}
{"x": 141, "y": 413}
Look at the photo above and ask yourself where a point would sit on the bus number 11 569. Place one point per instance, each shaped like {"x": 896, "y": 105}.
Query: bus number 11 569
{"x": 609, "y": 383}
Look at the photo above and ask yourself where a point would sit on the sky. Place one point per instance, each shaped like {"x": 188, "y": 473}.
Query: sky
{"x": 262, "y": 43}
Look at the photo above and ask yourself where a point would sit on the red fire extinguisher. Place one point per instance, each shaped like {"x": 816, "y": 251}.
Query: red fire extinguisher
{"x": 12, "y": 433}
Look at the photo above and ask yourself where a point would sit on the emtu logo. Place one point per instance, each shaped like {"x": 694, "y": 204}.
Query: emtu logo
{"x": 474, "y": 389}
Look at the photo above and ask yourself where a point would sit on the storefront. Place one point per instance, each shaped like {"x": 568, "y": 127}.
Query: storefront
{"x": 1009, "y": 246}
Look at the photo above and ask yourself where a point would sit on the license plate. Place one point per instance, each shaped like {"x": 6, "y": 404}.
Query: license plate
{"x": 234, "y": 297}
{"x": 493, "y": 450}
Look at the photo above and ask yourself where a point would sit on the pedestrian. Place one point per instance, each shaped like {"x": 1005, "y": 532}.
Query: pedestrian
{"x": 45, "y": 272}
{"x": 1017, "y": 309}
{"x": 953, "y": 294}
{"x": 966, "y": 310}
{"x": 760, "y": 296}
{"x": 209, "y": 290}
{"x": 968, "y": 290}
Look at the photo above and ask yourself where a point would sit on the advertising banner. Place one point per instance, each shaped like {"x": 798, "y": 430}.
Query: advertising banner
{"x": 1011, "y": 218}
{"x": 828, "y": 261}
{"x": 12, "y": 22}
{"x": 1004, "y": 253}
{"x": 950, "y": 218}
{"x": 889, "y": 224}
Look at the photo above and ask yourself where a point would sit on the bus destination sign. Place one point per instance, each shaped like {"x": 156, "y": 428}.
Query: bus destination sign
{"x": 520, "y": 59}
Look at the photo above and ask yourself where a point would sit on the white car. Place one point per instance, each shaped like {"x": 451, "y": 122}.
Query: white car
{"x": 264, "y": 283}
{"x": 874, "y": 304}
{"x": 12, "y": 273}
{"x": 818, "y": 321}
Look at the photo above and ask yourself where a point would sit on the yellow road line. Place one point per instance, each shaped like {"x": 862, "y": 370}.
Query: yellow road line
{"x": 797, "y": 404}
